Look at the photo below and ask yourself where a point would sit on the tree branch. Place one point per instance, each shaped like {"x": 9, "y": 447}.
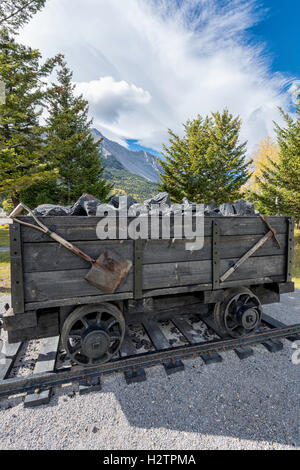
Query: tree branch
{"x": 19, "y": 10}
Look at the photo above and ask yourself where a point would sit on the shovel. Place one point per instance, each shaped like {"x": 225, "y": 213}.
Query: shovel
{"x": 107, "y": 272}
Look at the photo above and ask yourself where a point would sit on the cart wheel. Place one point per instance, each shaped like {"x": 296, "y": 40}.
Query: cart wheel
{"x": 239, "y": 314}
{"x": 92, "y": 335}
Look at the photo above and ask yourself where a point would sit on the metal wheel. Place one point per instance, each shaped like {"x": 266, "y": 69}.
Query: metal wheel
{"x": 92, "y": 335}
{"x": 239, "y": 314}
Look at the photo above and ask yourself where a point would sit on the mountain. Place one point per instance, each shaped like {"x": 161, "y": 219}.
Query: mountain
{"x": 139, "y": 163}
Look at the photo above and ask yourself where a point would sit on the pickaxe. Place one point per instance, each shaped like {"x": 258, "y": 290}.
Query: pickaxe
{"x": 259, "y": 244}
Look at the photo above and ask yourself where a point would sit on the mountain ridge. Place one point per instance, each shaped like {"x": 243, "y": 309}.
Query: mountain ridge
{"x": 140, "y": 163}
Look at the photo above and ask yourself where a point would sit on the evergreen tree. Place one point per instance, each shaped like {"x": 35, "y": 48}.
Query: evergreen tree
{"x": 70, "y": 148}
{"x": 21, "y": 149}
{"x": 15, "y": 13}
{"x": 207, "y": 163}
{"x": 278, "y": 189}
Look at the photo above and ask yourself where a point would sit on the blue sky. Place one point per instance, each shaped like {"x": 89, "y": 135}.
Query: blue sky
{"x": 149, "y": 65}
{"x": 280, "y": 30}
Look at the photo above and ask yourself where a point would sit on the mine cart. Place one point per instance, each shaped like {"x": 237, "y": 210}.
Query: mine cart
{"x": 245, "y": 262}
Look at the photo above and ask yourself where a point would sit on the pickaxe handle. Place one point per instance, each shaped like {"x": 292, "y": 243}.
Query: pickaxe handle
{"x": 259, "y": 244}
{"x": 271, "y": 229}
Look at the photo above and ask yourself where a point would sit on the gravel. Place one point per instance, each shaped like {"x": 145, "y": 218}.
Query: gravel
{"x": 250, "y": 404}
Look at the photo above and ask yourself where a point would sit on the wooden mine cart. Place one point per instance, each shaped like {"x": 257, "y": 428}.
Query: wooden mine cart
{"x": 51, "y": 297}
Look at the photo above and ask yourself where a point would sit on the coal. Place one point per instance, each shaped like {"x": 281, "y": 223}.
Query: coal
{"x": 105, "y": 210}
{"x": 137, "y": 209}
{"x": 50, "y": 210}
{"x": 227, "y": 210}
{"x": 91, "y": 207}
{"x": 162, "y": 200}
{"x": 81, "y": 208}
{"x": 116, "y": 201}
{"x": 245, "y": 208}
{"x": 88, "y": 205}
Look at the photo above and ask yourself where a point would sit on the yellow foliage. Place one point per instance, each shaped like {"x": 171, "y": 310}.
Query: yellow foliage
{"x": 119, "y": 192}
{"x": 265, "y": 150}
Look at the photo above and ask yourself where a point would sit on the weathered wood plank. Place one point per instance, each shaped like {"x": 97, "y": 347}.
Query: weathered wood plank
{"x": 195, "y": 338}
{"x": 64, "y": 284}
{"x": 160, "y": 342}
{"x": 48, "y": 325}
{"x": 39, "y": 257}
{"x": 12, "y": 322}
{"x": 84, "y": 228}
{"x": 136, "y": 374}
{"x": 211, "y": 358}
{"x": 156, "y": 336}
{"x": 188, "y": 331}
{"x": 160, "y": 315}
{"x": 7, "y": 357}
{"x": 77, "y": 301}
{"x": 273, "y": 346}
{"x": 17, "y": 291}
{"x": 45, "y": 363}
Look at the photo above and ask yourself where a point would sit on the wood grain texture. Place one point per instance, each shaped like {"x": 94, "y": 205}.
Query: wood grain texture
{"x": 40, "y": 257}
{"x": 71, "y": 283}
{"x": 84, "y": 228}
{"x": 45, "y": 363}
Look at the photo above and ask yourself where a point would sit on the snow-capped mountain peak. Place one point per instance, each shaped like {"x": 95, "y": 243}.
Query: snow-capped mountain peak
{"x": 140, "y": 163}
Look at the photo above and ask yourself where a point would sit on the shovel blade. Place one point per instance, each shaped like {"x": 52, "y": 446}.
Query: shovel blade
{"x": 108, "y": 271}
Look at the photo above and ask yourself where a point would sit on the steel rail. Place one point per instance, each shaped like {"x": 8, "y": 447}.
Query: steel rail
{"x": 43, "y": 381}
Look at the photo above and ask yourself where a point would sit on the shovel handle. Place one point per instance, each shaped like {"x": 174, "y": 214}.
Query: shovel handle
{"x": 42, "y": 228}
{"x": 71, "y": 247}
{"x": 19, "y": 209}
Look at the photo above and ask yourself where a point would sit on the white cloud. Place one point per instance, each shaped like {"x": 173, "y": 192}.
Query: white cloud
{"x": 149, "y": 65}
{"x": 110, "y": 98}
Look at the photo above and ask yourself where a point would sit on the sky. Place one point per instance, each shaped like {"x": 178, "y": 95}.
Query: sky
{"x": 149, "y": 65}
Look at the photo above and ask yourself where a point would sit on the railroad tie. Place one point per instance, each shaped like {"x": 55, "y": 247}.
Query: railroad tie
{"x": 45, "y": 363}
{"x": 160, "y": 342}
{"x": 194, "y": 337}
{"x": 135, "y": 374}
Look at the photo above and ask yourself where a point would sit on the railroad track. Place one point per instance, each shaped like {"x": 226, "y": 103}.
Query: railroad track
{"x": 49, "y": 372}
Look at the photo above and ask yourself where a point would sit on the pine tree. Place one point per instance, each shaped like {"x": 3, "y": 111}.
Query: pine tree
{"x": 208, "y": 162}
{"x": 21, "y": 143}
{"x": 15, "y": 13}
{"x": 279, "y": 185}
{"x": 69, "y": 145}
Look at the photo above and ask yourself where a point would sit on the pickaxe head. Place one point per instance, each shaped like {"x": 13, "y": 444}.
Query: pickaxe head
{"x": 271, "y": 229}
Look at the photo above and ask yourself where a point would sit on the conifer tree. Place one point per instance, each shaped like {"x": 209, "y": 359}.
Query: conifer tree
{"x": 15, "y": 13}
{"x": 208, "y": 162}
{"x": 21, "y": 142}
{"x": 70, "y": 148}
{"x": 278, "y": 187}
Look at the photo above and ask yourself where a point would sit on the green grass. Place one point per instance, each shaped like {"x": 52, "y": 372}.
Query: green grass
{"x": 4, "y": 236}
{"x": 296, "y": 272}
{"x": 4, "y": 262}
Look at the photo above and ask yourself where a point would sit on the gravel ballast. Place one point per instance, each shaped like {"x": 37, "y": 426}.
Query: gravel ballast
{"x": 250, "y": 404}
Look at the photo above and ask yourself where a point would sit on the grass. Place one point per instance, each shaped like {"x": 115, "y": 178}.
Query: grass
{"x": 296, "y": 272}
{"x": 5, "y": 261}
{"x": 4, "y": 236}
